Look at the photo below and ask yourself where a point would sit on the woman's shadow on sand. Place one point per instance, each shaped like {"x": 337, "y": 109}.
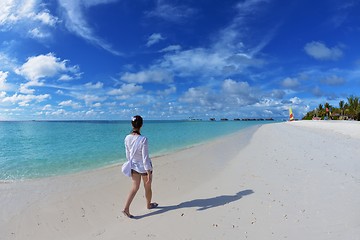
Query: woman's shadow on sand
{"x": 201, "y": 204}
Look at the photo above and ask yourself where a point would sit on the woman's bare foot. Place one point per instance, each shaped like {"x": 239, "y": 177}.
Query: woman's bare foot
{"x": 127, "y": 214}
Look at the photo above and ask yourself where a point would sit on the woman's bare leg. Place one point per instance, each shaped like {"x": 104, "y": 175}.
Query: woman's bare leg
{"x": 136, "y": 179}
{"x": 148, "y": 191}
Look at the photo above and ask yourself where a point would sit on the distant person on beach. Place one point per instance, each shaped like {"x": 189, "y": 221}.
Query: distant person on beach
{"x": 136, "y": 148}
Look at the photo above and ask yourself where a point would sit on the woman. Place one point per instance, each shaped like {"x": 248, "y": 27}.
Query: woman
{"x": 136, "y": 148}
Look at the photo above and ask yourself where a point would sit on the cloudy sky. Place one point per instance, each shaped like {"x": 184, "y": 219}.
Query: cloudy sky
{"x": 172, "y": 59}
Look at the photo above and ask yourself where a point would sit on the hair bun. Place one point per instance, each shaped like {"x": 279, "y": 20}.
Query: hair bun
{"x": 137, "y": 121}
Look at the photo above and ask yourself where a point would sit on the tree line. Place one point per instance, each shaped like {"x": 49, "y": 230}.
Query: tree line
{"x": 349, "y": 110}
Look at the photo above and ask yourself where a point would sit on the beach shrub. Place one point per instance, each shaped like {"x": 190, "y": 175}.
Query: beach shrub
{"x": 349, "y": 110}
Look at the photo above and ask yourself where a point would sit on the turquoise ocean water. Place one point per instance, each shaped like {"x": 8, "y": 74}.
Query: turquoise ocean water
{"x": 42, "y": 149}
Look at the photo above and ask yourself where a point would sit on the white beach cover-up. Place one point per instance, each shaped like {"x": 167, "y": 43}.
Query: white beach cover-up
{"x": 137, "y": 154}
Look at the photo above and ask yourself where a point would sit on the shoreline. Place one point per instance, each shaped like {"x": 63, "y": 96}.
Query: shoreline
{"x": 271, "y": 181}
{"x": 118, "y": 164}
{"x": 45, "y": 160}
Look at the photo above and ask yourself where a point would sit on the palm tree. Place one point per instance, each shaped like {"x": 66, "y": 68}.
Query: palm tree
{"x": 320, "y": 110}
{"x": 341, "y": 106}
{"x": 350, "y": 109}
{"x": 354, "y": 106}
{"x": 327, "y": 109}
{"x": 346, "y": 109}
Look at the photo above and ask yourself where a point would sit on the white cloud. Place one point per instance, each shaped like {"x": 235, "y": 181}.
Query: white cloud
{"x": 227, "y": 55}
{"x": 89, "y": 99}
{"x": 25, "y": 87}
{"x": 12, "y": 11}
{"x": 317, "y": 91}
{"x": 24, "y": 100}
{"x": 155, "y": 76}
{"x": 195, "y": 61}
{"x": 98, "y": 85}
{"x": 70, "y": 103}
{"x": 229, "y": 96}
{"x": 238, "y": 93}
{"x": 27, "y": 16}
{"x": 295, "y": 100}
{"x": 6, "y": 62}
{"x": 320, "y": 51}
{"x": 43, "y": 66}
{"x": 46, "y": 18}
{"x": 197, "y": 95}
{"x": 207, "y": 62}
{"x": 277, "y": 93}
{"x": 3, "y": 77}
{"x": 76, "y": 21}
{"x": 233, "y": 36}
{"x": 126, "y": 89}
{"x": 168, "y": 91}
{"x": 232, "y": 87}
{"x": 333, "y": 80}
{"x": 290, "y": 83}
{"x": 60, "y": 92}
{"x": 171, "y": 12}
{"x": 153, "y": 39}
{"x": 47, "y": 107}
{"x": 93, "y": 113}
{"x": 65, "y": 77}
{"x": 267, "y": 102}
{"x": 57, "y": 112}
{"x": 171, "y": 48}
{"x": 249, "y": 6}
{"x": 38, "y": 34}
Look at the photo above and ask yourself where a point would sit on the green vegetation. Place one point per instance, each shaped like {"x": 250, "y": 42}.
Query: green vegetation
{"x": 345, "y": 111}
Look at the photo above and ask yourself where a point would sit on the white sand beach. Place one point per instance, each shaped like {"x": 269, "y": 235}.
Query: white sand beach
{"x": 289, "y": 180}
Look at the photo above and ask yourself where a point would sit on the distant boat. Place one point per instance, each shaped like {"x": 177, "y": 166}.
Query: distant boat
{"x": 291, "y": 115}
{"x": 195, "y": 119}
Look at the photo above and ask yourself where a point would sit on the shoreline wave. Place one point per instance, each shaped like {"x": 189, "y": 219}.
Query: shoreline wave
{"x": 99, "y": 163}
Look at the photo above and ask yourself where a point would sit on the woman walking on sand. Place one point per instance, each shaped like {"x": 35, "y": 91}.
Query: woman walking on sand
{"x": 137, "y": 154}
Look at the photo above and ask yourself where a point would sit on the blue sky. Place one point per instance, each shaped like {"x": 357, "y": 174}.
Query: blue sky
{"x": 169, "y": 59}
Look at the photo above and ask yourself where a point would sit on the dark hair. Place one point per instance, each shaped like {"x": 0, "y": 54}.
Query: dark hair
{"x": 137, "y": 122}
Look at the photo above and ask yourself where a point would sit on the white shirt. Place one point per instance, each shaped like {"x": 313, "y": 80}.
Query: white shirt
{"x": 141, "y": 161}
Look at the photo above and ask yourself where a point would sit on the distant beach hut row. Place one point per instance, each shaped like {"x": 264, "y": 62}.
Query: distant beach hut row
{"x": 236, "y": 119}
